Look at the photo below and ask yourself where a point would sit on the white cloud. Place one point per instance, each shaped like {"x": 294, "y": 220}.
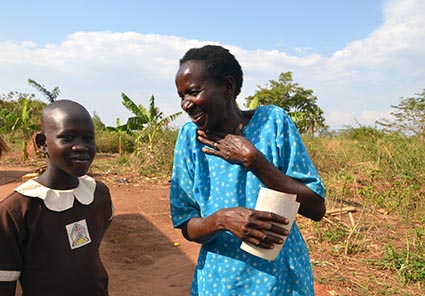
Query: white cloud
{"x": 358, "y": 82}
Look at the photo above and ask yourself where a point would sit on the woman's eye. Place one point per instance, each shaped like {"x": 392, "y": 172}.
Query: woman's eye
{"x": 194, "y": 93}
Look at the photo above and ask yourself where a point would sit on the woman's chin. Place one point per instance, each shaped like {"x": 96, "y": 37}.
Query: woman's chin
{"x": 202, "y": 122}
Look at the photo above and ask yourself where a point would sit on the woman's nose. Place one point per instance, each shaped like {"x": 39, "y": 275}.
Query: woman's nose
{"x": 186, "y": 104}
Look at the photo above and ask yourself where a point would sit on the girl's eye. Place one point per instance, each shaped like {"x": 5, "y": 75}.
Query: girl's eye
{"x": 67, "y": 137}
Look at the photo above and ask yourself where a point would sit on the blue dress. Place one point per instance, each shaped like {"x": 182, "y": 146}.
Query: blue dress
{"x": 202, "y": 184}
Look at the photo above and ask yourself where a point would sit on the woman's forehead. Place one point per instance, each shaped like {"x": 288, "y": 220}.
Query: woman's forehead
{"x": 193, "y": 70}
{"x": 192, "y": 66}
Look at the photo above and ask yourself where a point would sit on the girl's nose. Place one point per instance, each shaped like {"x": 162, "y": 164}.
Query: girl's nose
{"x": 80, "y": 147}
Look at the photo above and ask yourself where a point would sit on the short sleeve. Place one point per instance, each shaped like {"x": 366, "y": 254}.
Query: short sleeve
{"x": 294, "y": 158}
{"x": 11, "y": 248}
{"x": 106, "y": 194}
{"x": 183, "y": 205}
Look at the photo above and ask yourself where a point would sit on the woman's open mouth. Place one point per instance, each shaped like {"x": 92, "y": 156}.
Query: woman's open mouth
{"x": 200, "y": 119}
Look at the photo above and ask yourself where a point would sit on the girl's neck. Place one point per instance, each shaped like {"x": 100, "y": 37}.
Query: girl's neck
{"x": 56, "y": 179}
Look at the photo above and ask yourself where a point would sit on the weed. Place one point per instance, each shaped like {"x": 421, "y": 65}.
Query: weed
{"x": 409, "y": 262}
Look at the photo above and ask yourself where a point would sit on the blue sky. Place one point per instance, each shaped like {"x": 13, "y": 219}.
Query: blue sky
{"x": 359, "y": 57}
{"x": 323, "y": 26}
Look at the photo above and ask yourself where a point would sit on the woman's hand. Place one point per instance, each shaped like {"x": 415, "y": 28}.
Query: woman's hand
{"x": 234, "y": 148}
{"x": 256, "y": 227}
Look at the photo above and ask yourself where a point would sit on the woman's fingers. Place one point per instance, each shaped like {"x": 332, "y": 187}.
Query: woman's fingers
{"x": 277, "y": 229}
{"x": 272, "y": 217}
{"x": 264, "y": 229}
{"x": 262, "y": 239}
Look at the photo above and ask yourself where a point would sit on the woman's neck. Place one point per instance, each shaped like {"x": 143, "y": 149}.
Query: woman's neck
{"x": 235, "y": 117}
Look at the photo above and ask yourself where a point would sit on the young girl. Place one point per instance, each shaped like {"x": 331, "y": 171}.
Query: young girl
{"x": 51, "y": 227}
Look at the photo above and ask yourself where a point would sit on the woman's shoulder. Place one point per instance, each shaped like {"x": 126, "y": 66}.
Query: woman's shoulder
{"x": 271, "y": 113}
{"x": 187, "y": 132}
{"x": 272, "y": 109}
{"x": 188, "y": 127}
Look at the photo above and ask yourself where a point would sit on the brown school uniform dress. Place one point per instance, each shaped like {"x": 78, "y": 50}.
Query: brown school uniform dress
{"x": 49, "y": 239}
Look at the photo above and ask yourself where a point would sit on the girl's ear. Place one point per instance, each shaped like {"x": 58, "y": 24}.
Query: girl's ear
{"x": 40, "y": 141}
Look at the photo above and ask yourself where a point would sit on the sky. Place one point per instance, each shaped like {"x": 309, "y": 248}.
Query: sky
{"x": 360, "y": 57}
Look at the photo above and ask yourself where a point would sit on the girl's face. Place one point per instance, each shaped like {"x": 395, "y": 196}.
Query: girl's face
{"x": 70, "y": 142}
{"x": 202, "y": 98}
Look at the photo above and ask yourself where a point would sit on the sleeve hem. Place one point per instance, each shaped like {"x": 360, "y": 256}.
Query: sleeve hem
{"x": 9, "y": 275}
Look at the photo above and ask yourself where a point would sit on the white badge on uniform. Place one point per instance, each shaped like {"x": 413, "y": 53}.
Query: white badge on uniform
{"x": 78, "y": 234}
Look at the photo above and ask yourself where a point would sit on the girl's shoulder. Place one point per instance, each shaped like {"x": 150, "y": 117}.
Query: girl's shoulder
{"x": 16, "y": 204}
{"x": 102, "y": 189}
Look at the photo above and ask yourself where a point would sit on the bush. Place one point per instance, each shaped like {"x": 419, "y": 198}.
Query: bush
{"x": 108, "y": 142}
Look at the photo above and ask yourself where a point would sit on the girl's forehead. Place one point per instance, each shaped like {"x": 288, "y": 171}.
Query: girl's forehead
{"x": 59, "y": 119}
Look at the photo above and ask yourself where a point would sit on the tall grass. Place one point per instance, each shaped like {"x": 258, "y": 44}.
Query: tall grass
{"x": 377, "y": 173}
{"x": 385, "y": 170}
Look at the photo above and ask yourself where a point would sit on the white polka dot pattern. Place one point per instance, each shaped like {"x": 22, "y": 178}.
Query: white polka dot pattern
{"x": 202, "y": 184}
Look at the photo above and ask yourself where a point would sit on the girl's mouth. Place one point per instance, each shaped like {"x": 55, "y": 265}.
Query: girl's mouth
{"x": 80, "y": 159}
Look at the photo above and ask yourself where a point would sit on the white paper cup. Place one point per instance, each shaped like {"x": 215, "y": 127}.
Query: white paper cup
{"x": 281, "y": 203}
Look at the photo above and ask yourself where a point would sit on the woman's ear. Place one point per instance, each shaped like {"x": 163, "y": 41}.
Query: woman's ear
{"x": 230, "y": 85}
{"x": 40, "y": 141}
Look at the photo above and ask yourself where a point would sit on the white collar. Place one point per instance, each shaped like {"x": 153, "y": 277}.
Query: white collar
{"x": 60, "y": 200}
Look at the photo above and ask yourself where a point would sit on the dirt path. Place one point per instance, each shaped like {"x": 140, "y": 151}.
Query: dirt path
{"x": 143, "y": 254}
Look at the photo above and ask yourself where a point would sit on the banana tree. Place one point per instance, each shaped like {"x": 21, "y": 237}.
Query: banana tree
{"x": 50, "y": 95}
{"x": 3, "y": 146}
{"x": 121, "y": 130}
{"x": 149, "y": 122}
{"x": 19, "y": 123}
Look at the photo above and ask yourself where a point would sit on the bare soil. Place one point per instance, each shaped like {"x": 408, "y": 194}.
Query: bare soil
{"x": 144, "y": 255}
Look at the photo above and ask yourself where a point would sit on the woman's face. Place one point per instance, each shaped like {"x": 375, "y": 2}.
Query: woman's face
{"x": 202, "y": 98}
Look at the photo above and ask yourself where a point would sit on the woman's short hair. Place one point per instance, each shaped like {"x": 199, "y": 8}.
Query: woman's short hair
{"x": 220, "y": 63}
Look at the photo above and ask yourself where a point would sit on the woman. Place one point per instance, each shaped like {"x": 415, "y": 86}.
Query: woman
{"x": 221, "y": 160}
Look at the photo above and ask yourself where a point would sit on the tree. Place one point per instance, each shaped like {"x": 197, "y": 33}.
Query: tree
{"x": 98, "y": 124}
{"x": 3, "y": 146}
{"x": 121, "y": 130}
{"x": 50, "y": 95}
{"x": 148, "y": 122}
{"x": 19, "y": 123}
{"x": 299, "y": 103}
{"x": 409, "y": 117}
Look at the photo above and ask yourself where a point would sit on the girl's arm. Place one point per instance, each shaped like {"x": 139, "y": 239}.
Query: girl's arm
{"x": 7, "y": 288}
